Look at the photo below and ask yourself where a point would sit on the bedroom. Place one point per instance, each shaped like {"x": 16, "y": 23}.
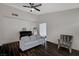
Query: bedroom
{"x": 62, "y": 19}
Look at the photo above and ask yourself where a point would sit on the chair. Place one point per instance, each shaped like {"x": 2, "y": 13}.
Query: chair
{"x": 65, "y": 41}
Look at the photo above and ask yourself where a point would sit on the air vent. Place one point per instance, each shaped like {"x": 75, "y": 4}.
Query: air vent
{"x": 13, "y": 14}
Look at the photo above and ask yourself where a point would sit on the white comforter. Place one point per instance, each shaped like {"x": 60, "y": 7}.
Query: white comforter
{"x": 29, "y": 42}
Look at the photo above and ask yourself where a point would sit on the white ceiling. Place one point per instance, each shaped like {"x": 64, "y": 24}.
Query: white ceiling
{"x": 46, "y": 7}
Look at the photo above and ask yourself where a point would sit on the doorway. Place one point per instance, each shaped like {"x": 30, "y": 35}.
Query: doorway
{"x": 43, "y": 30}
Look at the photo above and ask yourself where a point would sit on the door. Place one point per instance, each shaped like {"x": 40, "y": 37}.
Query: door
{"x": 43, "y": 29}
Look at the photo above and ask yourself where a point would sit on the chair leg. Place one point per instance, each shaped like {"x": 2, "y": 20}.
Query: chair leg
{"x": 58, "y": 46}
{"x": 70, "y": 50}
{"x": 58, "y": 43}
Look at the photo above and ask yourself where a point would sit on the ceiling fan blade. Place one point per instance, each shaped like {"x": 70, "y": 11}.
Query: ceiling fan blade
{"x": 31, "y": 4}
{"x": 38, "y": 5}
{"x": 26, "y": 6}
{"x": 36, "y": 9}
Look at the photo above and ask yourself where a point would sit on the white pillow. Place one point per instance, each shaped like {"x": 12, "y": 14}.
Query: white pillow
{"x": 25, "y": 38}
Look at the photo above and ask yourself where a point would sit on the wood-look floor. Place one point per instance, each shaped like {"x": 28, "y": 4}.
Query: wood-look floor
{"x": 13, "y": 50}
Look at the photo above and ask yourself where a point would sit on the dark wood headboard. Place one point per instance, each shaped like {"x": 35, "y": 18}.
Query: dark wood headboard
{"x": 25, "y": 33}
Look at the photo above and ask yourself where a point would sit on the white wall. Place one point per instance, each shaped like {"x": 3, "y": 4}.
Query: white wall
{"x": 11, "y": 25}
{"x": 11, "y": 28}
{"x": 0, "y": 30}
{"x": 65, "y": 22}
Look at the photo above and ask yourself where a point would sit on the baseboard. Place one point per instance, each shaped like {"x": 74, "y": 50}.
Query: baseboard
{"x": 52, "y": 42}
{"x": 9, "y": 42}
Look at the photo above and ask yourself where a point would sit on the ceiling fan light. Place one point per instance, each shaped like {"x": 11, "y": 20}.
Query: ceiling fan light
{"x": 32, "y": 9}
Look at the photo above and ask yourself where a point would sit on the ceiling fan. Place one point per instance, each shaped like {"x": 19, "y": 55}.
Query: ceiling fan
{"x": 33, "y": 6}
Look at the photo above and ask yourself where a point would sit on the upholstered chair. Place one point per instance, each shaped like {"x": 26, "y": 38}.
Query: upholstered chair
{"x": 65, "y": 41}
